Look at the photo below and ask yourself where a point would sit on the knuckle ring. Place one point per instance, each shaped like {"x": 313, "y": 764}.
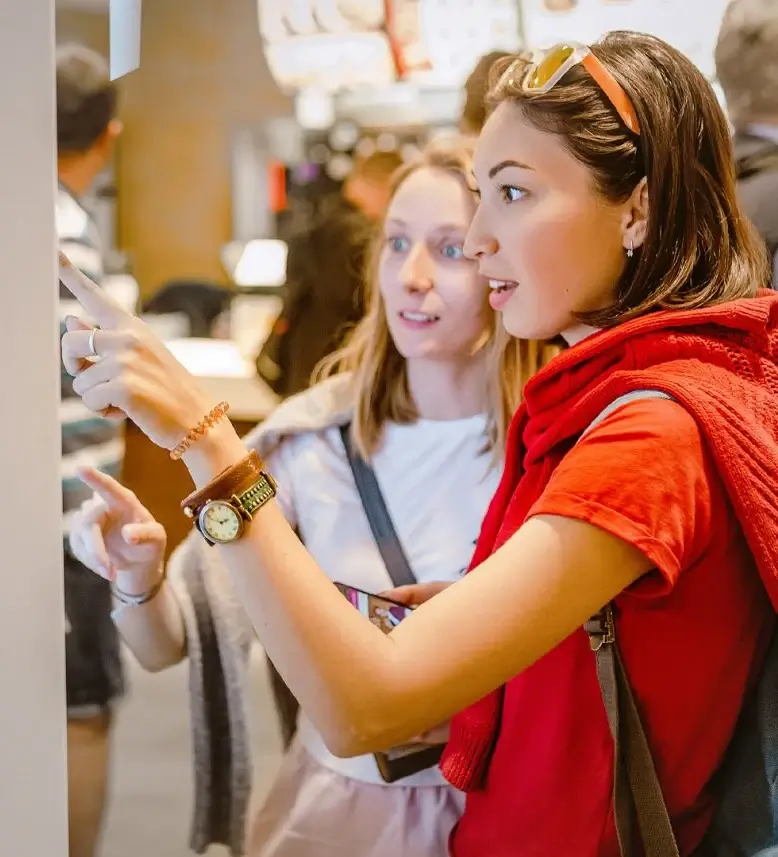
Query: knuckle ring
{"x": 92, "y": 349}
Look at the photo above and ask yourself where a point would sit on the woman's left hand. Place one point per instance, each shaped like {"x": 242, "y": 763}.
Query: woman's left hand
{"x": 129, "y": 371}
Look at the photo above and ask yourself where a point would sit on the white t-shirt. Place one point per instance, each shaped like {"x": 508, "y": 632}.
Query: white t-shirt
{"x": 436, "y": 480}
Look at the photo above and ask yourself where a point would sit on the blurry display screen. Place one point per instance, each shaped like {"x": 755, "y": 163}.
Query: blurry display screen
{"x": 328, "y": 44}
{"x": 345, "y": 44}
{"x": 689, "y": 25}
{"x": 279, "y": 19}
{"x": 332, "y": 62}
{"x": 438, "y": 42}
{"x": 342, "y": 44}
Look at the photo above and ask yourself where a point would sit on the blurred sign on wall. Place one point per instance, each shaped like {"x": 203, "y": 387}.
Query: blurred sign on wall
{"x": 327, "y": 44}
{"x": 349, "y": 44}
{"x": 439, "y": 41}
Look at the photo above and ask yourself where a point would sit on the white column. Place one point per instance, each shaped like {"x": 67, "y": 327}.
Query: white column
{"x": 33, "y": 815}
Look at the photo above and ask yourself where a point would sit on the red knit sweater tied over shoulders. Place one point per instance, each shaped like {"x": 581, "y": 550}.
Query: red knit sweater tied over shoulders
{"x": 721, "y": 366}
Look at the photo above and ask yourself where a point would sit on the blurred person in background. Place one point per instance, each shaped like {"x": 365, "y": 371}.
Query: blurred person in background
{"x": 325, "y": 271}
{"x": 747, "y": 69}
{"x": 474, "y": 110}
{"x": 412, "y": 383}
{"x": 205, "y": 305}
{"x": 87, "y": 129}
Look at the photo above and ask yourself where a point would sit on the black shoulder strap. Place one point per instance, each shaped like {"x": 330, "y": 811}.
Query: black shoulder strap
{"x": 377, "y": 514}
{"x": 637, "y": 793}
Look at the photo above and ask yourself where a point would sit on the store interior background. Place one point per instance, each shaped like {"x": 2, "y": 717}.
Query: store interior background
{"x": 195, "y": 193}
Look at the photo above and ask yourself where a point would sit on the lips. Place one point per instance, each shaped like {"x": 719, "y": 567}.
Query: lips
{"x": 501, "y": 293}
{"x": 417, "y": 317}
{"x": 502, "y": 285}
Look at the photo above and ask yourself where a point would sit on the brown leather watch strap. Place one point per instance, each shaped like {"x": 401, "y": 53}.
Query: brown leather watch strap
{"x": 228, "y": 483}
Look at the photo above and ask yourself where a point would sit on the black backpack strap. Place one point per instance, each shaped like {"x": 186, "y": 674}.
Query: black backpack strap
{"x": 637, "y": 793}
{"x": 377, "y": 515}
{"x": 636, "y": 790}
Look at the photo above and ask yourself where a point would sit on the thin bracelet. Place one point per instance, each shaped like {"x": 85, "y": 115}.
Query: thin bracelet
{"x": 144, "y": 598}
{"x": 213, "y": 416}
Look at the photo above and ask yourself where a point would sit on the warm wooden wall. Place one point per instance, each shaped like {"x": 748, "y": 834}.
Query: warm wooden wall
{"x": 87, "y": 28}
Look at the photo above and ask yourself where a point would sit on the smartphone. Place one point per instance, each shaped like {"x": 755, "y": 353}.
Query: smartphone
{"x": 399, "y": 762}
{"x": 382, "y": 612}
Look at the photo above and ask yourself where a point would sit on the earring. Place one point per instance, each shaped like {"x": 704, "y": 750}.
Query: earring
{"x": 630, "y": 250}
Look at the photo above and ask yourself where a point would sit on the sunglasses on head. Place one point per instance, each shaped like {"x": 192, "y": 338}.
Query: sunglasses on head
{"x": 549, "y": 67}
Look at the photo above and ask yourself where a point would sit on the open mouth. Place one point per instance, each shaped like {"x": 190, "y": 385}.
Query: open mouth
{"x": 501, "y": 286}
{"x": 418, "y": 317}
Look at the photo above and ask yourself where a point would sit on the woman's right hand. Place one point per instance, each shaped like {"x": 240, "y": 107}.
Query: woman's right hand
{"x": 114, "y": 535}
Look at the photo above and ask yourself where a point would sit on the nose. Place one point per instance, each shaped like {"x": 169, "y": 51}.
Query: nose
{"x": 417, "y": 271}
{"x": 479, "y": 241}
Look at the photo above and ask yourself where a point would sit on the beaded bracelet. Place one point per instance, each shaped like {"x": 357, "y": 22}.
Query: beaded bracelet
{"x": 214, "y": 416}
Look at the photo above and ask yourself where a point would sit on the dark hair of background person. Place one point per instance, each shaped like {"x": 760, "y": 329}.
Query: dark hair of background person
{"x": 323, "y": 295}
{"x": 377, "y": 166}
{"x": 700, "y": 248}
{"x": 202, "y": 303}
{"x": 86, "y": 98}
{"x": 474, "y": 111}
{"x": 367, "y": 185}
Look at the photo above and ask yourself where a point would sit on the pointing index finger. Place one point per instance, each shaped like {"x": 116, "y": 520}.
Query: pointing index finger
{"x": 112, "y": 492}
{"x": 100, "y": 306}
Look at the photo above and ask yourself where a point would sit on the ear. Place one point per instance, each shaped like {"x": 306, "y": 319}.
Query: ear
{"x": 108, "y": 138}
{"x": 634, "y": 226}
{"x": 114, "y": 129}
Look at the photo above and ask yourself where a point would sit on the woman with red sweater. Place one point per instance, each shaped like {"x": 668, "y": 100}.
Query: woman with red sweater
{"x": 607, "y": 215}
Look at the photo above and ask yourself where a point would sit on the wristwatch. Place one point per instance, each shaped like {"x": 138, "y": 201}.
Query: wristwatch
{"x": 222, "y": 508}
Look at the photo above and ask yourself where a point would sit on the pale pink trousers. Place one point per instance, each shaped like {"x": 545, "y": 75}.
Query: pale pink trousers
{"x": 313, "y": 812}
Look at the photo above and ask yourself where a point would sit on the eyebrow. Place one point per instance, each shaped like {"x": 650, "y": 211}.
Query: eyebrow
{"x": 444, "y": 227}
{"x": 504, "y": 164}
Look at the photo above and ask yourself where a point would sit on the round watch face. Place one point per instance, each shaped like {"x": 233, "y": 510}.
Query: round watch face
{"x": 220, "y": 521}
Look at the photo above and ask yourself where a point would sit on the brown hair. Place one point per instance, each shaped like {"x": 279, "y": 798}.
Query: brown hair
{"x": 379, "y": 376}
{"x": 377, "y": 167}
{"x": 699, "y": 249}
{"x": 474, "y": 110}
{"x": 86, "y": 98}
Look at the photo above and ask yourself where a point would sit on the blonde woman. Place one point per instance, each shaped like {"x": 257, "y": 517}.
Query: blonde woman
{"x": 413, "y": 382}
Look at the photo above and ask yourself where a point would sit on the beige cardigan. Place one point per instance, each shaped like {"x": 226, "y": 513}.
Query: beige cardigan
{"x": 219, "y": 638}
